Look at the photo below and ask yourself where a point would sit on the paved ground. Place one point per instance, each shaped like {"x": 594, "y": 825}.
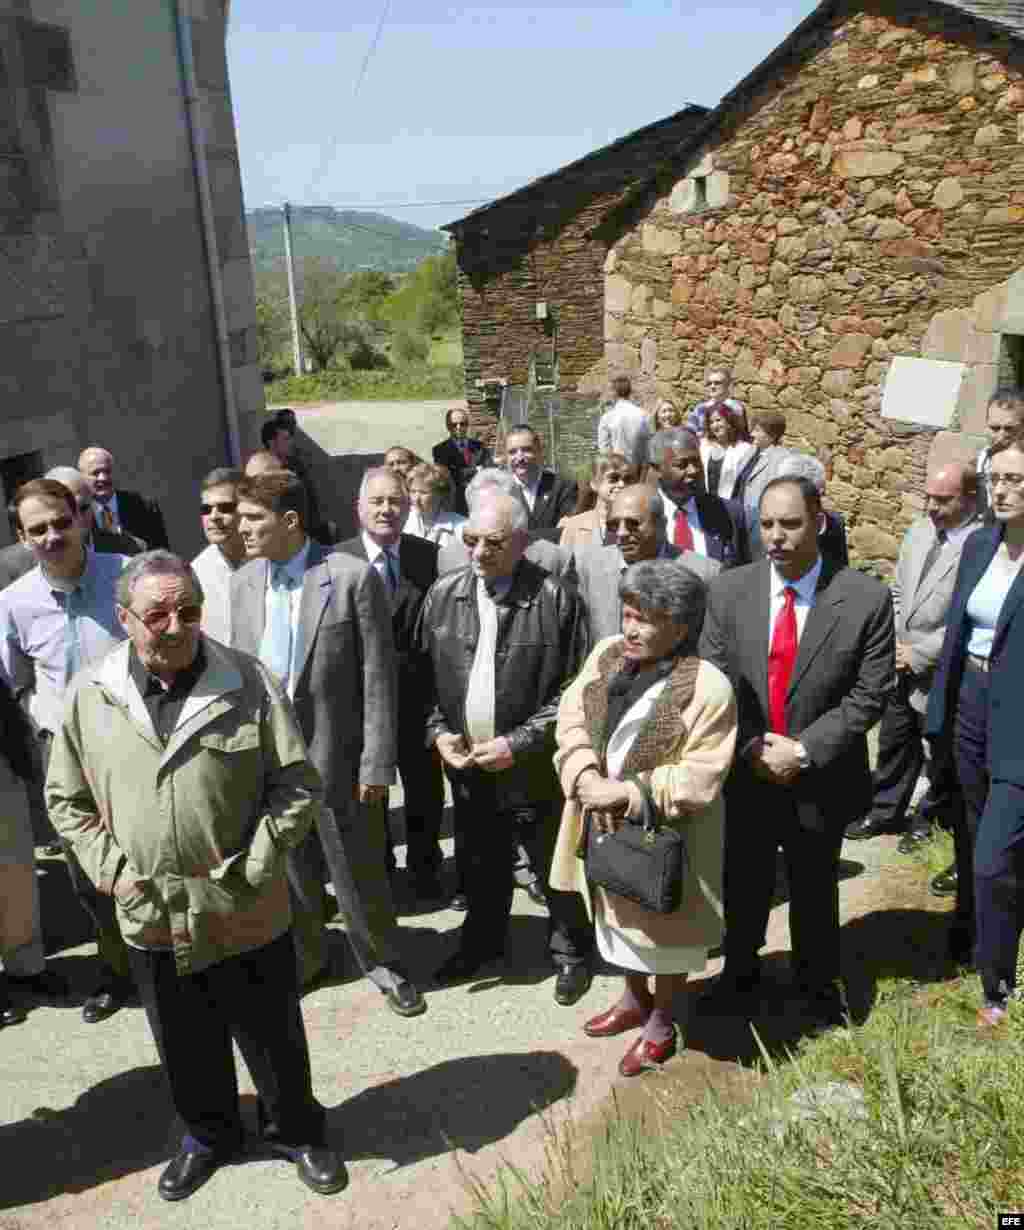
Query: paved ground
{"x": 85, "y": 1123}
{"x": 373, "y": 426}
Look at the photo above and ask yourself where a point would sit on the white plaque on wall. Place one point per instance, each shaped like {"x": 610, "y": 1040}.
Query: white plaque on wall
{"x": 922, "y": 391}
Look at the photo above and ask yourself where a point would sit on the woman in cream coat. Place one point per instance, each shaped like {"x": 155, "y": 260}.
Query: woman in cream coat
{"x": 649, "y": 726}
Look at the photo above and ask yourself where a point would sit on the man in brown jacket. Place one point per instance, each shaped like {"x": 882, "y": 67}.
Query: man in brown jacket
{"x": 180, "y": 779}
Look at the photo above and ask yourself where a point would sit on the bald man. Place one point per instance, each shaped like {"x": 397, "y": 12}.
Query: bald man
{"x": 263, "y": 462}
{"x": 125, "y": 512}
{"x": 921, "y": 593}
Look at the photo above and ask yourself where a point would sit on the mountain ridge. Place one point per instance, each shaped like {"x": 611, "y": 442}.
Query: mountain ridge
{"x": 344, "y": 239}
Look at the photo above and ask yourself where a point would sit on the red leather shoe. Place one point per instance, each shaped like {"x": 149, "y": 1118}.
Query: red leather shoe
{"x": 644, "y": 1056}
{"x": 615, "y": 1021}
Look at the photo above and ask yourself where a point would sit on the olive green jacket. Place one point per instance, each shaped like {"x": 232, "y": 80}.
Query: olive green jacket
{"x": 193, "y": 833}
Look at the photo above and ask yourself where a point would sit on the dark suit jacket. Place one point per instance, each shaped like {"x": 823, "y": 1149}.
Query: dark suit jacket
{"x": 1006, "y": 697}
{"x": 345, "y": 689}
{"x": 843, "y": 675}
{"x": 110, "y": 542}
{"x": 722, "y": 521}
{"x": 448, "y": 454}
{"x": 419, "y": 571}
{"x": 143, "y": 519}
{"x": 556, "y": 498}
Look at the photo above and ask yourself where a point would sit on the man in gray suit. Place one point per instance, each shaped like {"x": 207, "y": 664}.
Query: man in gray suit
{"x": 636, "y": 522}
{"x": 547, "y": 555}
{"x": 320, "y": 620}
{"x": 921, "y": 594}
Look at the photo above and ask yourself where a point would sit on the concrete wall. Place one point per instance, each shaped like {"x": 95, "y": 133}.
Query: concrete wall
{"x": 106, "y": 325}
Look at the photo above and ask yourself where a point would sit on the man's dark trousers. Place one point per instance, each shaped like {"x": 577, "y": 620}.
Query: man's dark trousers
{"x": 900, "y": 761}
{"x": 812, "y": 870}
{"x": 423, "y": 790}
{"x": 253, "y": 998}
{"x": 490, "y": 838}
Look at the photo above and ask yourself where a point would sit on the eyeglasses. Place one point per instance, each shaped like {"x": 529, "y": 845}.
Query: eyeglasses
{"x": 158, "y": 621}
{"x": 227, "y": 507}
{"x": 57, "y": 524}
{"x": 489, "y": 544}
{"x": 630, "y": 524}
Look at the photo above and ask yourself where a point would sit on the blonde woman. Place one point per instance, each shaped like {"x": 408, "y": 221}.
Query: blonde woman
{"x": 609, "y": 473}
{"x": 430, "y": 495}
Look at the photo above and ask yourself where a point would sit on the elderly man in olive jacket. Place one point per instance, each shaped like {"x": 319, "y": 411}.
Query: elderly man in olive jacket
{"x": 181, "y": 780}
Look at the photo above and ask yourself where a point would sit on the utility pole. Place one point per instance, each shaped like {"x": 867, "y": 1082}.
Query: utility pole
{"x": 289, "y": 261}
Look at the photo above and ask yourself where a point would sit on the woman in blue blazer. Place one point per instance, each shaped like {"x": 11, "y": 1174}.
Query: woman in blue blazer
{"x": 977, "y": 700}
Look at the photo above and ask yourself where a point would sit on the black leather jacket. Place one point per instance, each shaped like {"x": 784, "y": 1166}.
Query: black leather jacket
{"x": 542, "y": 643}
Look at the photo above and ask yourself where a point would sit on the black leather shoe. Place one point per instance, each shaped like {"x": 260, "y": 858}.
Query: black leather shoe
{"x": 111, "y": 997}
{"x": 321, "y": 1169}
{"x": 915, "y": 837}
{"x": 536, "y": 894}
{"x": 944, "y": 884}
{"x": 406, "y": 999}
{"x": 460, "y": 902}
{"x": 47, "y": 984}
{"x": 825, "y": 1012}
{"x": 865, "y": 827}
{"x": 572, "y": 983}
{"x": 462, "y": 965}
{"x": 186, "y": 1174}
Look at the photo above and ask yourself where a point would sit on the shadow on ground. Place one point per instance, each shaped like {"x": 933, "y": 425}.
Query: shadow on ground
{"x": 120, "y": 1126}
{"x": 463, "y": 1104}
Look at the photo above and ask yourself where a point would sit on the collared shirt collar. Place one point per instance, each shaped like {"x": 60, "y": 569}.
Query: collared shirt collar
{"x": 805, "y": 587}
{"x": 958, "y": 533}
{"x": 294, "y": 568}
{"x": 373, "y": 549}
{"x": 499, "y": 589}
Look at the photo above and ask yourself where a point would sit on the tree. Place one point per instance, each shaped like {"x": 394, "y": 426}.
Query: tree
{"x": 321, "y": 313}
{"x": 272, "y": 327}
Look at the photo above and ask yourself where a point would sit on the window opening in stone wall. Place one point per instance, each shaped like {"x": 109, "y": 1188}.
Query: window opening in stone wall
{"x": 700, "y": 192}
{"x": 1011, "y": 359}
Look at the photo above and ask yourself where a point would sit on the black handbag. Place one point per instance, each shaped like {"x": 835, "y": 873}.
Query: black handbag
{"x": 642, "y": 861}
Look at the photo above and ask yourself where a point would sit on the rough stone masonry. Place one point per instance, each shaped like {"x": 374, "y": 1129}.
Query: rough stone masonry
{"x": 867, "y": 201}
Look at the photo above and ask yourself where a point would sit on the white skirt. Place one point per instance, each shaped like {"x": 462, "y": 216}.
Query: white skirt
{"x": 618, "y": 950}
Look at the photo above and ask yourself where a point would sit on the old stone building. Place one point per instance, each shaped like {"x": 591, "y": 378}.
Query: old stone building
{"x": 855, "y": 204}
{"x": 127, "y": 314}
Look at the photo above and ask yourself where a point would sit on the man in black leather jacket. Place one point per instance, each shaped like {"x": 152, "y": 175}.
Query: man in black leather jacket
{"x": 503, "y": 638}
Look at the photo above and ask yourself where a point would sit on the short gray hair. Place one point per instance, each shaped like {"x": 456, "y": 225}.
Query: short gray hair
{"x": 674, "y": 438}
{"x": 520, "y": 515}
{"x": 158, "y": 563}
{"x": 802, "y": 465}
{"x": 223, "y": 476}
{"x": 504, "y": 480}
{"x": 379, "y": 472}
{"x": 65, "y": 474}
{"x": 666, "y": 587}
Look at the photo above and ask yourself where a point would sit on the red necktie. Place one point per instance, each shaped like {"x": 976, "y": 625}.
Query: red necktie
{"x": 466, "y": 454}
{"x": 781, "y": 658}
{"x": 682, "y": 535}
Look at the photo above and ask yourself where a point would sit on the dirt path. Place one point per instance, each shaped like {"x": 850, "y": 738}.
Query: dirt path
{"x": 419, "y": 1105}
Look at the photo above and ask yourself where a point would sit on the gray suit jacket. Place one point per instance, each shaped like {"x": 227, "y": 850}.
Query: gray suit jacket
{"x": 345, "y": 694}
{"x": 921, "y": 605}
{"x": 547, "y": 555}
{"x": 597, "y": 571}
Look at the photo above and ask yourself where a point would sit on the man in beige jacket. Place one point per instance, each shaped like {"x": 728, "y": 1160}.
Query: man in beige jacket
{"x": 180, "y": 779}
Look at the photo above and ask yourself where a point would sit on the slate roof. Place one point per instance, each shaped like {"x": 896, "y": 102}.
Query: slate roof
{"x": 1006, "y": 15}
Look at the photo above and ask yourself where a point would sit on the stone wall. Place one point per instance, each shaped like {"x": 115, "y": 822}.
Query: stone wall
{"x": 106, "y": 324}
{"x": 547, "y": 244}
{"x": 867, "y": 202}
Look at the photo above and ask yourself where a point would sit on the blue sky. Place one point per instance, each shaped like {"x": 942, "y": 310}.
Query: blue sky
{"x": 467, "y": 101}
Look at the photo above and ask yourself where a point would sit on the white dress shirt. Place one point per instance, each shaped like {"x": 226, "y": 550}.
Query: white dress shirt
{"x": 700, "y": 542}
{"x": 443, "y": 526}
{"x": 214, "y": 570}
{"x": 376, "y": 554}
{"x": 296, "y": 569}
{"x": 802, "y": 603}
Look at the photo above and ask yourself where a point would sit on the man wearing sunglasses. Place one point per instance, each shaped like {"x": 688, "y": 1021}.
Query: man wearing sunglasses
{"x": 181, "y": 779}
{"x": 56, "y": 620}
{"x": 216, "y": 563}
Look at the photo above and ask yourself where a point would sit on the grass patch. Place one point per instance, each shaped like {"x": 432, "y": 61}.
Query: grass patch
{"x": 413, "y": 383}
{"x": 938, "y": 1140}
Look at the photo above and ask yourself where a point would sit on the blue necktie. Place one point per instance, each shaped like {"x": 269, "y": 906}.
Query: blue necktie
{"x": 388, "y": 570}
{"x": 72, "y": 645}
{"x": 276, "y": 647}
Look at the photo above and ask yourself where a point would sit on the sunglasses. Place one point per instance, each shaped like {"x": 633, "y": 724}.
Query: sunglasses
{"x": 630, "y": 524}
{"x": 227, "y": 507}
{"x": 491, "y": 544}
{"x": 57, "y": 524}
{"x": 159, "y": 621}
